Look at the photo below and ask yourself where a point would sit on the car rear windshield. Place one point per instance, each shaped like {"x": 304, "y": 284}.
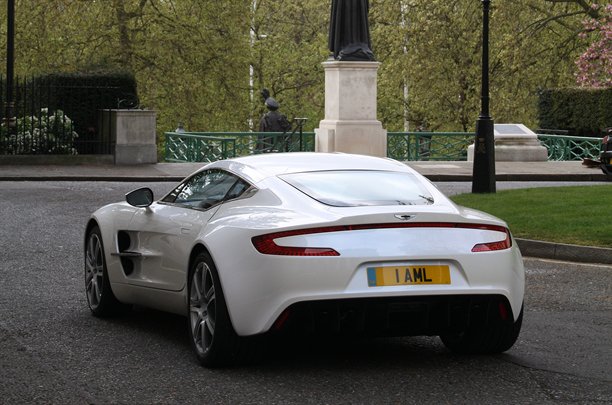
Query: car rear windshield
{"x": 352, "y": 188}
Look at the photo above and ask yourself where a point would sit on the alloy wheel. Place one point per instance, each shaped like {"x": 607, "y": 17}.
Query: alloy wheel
{"x": 94, "y": 271}
{"x": 202, "y": 307}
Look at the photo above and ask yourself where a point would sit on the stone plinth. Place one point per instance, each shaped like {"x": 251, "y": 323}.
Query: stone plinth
{"x": 350, "y": 123}
{"x": 515, "y": 143}
{"x": 132, "y": 132}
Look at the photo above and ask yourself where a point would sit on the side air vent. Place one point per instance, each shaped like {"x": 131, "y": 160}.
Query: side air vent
{"x": 127, "y": 258}
{"x": 123, "y": 241}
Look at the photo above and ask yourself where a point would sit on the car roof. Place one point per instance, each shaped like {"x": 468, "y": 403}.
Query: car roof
{"x": 258, "y": 167}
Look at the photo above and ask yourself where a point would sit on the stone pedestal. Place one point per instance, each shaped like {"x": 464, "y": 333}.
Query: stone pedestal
{"x": 515, "y": 143}
{"x": 350, "y": 123}
{"x": 132, "y": 132}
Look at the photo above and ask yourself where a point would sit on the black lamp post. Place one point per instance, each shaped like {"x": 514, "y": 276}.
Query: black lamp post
{"x": 10, "y": 62}
{"x": 483, "y": 177}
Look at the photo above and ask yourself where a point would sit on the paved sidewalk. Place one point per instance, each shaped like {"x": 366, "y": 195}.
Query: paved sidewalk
{"x": 435, "y": 171}
{"x": 511, "y": 171}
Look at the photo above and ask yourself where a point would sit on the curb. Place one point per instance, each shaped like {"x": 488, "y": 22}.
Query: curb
{"x": 565, "y": 252}
{"x": 522, "y": 177}
{"x": 62, "y": 160}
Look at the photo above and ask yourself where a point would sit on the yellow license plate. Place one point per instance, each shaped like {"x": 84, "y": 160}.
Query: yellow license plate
{"x": 407, "y": 275}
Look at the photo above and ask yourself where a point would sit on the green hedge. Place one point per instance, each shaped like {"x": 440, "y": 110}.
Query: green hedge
{"x": 582, "y": 112}
{"x": 81, "y": 95}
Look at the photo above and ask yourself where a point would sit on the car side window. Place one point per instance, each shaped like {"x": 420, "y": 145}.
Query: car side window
{"x": 207, "y": 188}
{"x": 237, "y": 189}
{"x": 171, "y": 197}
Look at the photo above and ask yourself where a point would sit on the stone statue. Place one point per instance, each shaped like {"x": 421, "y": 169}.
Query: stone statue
{"x": 349, "y": 32}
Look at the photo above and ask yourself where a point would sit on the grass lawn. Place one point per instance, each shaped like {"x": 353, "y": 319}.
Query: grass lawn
{"x": 576, "y": 215}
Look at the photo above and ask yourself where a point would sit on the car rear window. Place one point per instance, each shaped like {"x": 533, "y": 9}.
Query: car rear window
{"x": 352, "y": 188}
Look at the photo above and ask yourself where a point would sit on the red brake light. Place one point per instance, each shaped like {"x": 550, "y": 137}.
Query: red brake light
{"x": 265, "y": 244}
{"x": 492, "y": 246}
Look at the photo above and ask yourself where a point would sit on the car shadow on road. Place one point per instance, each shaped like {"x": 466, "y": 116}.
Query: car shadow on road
{"x": 157, "y": 325}
{"x": 287, "y": 353}
{"x": 306, "y": 352}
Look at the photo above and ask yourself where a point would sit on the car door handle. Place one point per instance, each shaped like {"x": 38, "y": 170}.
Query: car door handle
{"x": 185, "y": 231}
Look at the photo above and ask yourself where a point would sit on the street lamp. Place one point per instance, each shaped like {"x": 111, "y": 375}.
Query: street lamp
{"x": 10, "y": 62}
{"x": 483, "y": 177}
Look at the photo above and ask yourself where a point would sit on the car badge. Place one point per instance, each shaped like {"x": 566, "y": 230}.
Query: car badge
{"x": 404, "y": 217}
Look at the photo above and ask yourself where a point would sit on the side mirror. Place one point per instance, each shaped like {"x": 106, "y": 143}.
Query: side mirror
{"x": 142, "y": 198}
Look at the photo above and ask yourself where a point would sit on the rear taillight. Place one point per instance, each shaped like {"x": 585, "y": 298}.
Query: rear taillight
{"x": 266, "y": 244}
{"x": 492, "y": 246}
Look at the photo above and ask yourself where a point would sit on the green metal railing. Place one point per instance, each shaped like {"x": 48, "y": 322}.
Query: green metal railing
{"x": 192, "y": 147}
{"x": 212, "y": 146}
{"x": 562, "y": 147}
{"x": 415, "y": 146}
{"x": 403, "y": 146}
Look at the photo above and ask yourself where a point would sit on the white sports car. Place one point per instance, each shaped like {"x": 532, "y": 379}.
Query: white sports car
{"x": 308, "y": 242}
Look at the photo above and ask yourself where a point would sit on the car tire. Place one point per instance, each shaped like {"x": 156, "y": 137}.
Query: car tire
{"x": 100, "y": 297}
{"x": 211, "y": 333}
{"x": 495, "y": 337}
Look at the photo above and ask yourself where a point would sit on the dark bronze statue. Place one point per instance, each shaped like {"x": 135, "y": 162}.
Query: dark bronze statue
{"x": 349, "y": 32}
{"x": 272, "y": 121}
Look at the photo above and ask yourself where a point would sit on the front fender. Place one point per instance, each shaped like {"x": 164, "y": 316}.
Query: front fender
{"x": 110, "y": 219}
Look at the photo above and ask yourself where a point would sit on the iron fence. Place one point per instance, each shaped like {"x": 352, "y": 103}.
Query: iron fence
{"x": 52, "y": 118}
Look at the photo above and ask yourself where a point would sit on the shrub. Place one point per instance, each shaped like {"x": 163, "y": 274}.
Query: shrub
{"x": 582, "y": 112}
{"x": 45, "y": 133}
{"x": 79, "y": 96}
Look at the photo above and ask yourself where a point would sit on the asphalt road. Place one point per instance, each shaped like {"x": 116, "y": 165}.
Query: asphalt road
{"x": 53, "y": 351}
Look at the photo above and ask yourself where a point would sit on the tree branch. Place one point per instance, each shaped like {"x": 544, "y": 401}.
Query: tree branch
{"x": 586, "y": 7}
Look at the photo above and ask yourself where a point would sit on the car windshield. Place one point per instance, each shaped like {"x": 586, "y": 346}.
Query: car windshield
{"x": 352, "y": 188}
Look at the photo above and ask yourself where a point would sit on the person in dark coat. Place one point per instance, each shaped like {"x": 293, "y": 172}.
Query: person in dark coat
{"x": 349, "y": 32}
